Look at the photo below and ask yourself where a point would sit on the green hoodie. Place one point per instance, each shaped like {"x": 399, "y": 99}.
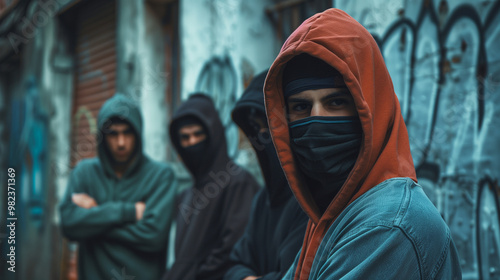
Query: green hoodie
{"x": 112, "y": 244}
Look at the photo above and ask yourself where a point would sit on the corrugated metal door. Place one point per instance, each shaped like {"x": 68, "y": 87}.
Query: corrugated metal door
{"x": 95, "y": 55}
{"x": 94, "y": 82}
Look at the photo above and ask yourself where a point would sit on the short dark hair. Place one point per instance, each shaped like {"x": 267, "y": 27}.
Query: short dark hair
{"x": 114, "y": 120}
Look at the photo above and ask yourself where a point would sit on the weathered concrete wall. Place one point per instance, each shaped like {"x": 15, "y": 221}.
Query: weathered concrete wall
{"x": 38, "y": 92}
{"x": 154, "y": 86}
{"x": 35, "y": 129}
{"x": 141, "y": 74}
{"x": 444, "y": 62}
{"x": 223, "y": 44}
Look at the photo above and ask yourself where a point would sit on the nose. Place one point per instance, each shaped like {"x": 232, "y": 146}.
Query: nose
{"x": 192, "y": 140}
{"x": 121, "y": 140}
{"x": 318, "y": 110}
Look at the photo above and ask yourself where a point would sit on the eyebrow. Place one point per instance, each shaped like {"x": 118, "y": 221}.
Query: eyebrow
{"x": 117, "y": 131}
{"x": 337, "y": 94}
{"x": 196, "y": 132}
{"x": 343, "y": 92}
{"x": 298, "y": 99}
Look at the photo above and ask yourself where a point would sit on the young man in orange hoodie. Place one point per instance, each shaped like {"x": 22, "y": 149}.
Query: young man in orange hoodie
{"x": 342, "y": 142}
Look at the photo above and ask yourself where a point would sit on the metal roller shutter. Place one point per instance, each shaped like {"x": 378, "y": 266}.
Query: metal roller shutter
{"x": 94, "y": 82}
{"x": 95, "y": 72}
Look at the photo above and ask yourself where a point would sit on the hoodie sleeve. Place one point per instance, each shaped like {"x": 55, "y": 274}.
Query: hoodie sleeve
{"x": 150, "y": 234}
{"x": 290, "y": 273}
{"x": 290, "y": 246}
{"x": 243, "y": 253}
{"x": 247, "y": 251}
{"x": 237, "y": 206}
{"x": 78, "y": 223}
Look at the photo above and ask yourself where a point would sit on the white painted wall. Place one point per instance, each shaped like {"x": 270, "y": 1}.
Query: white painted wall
{"x": 239, "y": 29}
{"x": 154, "y": 84}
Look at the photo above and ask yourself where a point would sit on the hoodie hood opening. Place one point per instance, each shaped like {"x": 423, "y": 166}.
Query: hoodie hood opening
{"x": 351, "y": 50}
{"x": 122, "y": 108}
{"x": 201, "y": 107}
{"x": 340, "y": 41}
{"x": 250, "y": 106}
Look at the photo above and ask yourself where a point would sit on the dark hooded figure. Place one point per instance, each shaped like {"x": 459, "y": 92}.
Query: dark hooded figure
{"x": 277, "y": 224}
{"x": 118, "y": 206}
{"x": 342, "y": 142}
{"x": 211, "y": 215}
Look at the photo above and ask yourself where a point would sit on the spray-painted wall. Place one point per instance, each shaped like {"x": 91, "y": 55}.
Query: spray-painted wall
{"x": 36, "y": 89}
{"x": 442, "y": 56}
{"x": 444, "y": 62}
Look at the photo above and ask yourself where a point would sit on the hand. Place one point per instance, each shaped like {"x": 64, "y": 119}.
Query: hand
{"x": 251, "y": 277}
{"x": 140, "y": 207}
{"x": 83, "y": 200}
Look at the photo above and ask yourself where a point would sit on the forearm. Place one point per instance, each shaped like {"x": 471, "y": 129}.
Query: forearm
{"x": 239, "y": 271}
{"x": 149, "y": 233}
{"x": 80, "y": 223}
{"x": 145, "y": 236}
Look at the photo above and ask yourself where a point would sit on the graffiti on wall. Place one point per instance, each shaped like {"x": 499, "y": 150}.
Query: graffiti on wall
{"x": 447, "y": 80}
{"x": 28, "y": 145}
{"x": 28, "y": 137}
{"x": 218, "y": 79}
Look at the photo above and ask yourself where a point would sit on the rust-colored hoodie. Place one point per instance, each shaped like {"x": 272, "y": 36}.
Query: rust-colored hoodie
{"x": 339, "y": 40}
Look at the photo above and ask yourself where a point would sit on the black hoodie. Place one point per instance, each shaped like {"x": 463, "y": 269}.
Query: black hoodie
{"x": 112, "y": 243}
{"x": 277, "y": 224}
{"x": 211, "y": 215}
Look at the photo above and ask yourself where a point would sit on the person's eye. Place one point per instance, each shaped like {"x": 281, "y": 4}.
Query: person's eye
{"x": 300, "y": 107}
{"x": 337, "y": 102}
{"x": 199, "y": 133}
{"x": 113, "y": 133}
{"x": 184, "y": 137}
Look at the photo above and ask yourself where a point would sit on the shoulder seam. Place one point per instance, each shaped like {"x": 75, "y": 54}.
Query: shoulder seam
{"x": 417, "y": 252}
{"x": 442, "y": 258}
{"x": 399, "y": 217}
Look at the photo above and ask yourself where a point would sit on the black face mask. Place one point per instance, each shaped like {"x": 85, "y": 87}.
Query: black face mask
{"x": 193, "y": 155}
{"x": 325, "y": 149}
{"x": 271, "y": 169}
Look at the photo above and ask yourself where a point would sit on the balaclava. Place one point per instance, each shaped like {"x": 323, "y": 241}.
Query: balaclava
{"x": 192, "y": 155}
{"x": 325, "y": 148}
{"x": 249, "y": 114}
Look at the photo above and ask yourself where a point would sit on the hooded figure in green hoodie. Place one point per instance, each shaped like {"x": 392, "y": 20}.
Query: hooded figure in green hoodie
{"x": 118, "y": 205}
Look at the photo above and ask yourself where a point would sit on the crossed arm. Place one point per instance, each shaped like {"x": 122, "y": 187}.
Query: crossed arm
{"x": 142, "y": 225}
{"x": 84, "y": 200}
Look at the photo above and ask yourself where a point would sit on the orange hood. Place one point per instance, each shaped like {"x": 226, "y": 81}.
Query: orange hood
{"x": 339, "y": 40}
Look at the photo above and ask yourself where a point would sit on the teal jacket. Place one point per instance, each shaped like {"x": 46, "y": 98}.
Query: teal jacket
{"x": 112, "y": 244}
{"x": 392, "y": 231}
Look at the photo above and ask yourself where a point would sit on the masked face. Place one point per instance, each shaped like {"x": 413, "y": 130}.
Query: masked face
{"x": 325, "y": 136}
{"x": 190, "y": 135}
{"x": 193, "y": 141}
{"x": 259, "y": 136}
{"x": 326, "y": 148}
